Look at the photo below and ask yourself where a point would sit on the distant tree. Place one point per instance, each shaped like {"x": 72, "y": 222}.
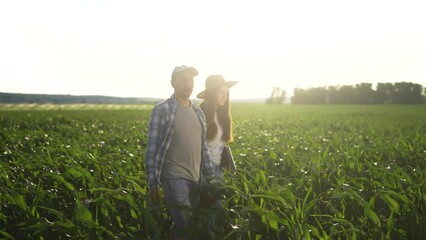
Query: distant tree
{"x": 364, "y": 93}
{"x": 408, "y": 93}
{"x": 385, "y": 93}
{"x": 347, "y": 94}
{"x": 317, "y": 95}
{"x": 310, "y": 96}
{"x": 299, "y": 96}
{"x": 332, "y": 95}
{"x": 277, "y": 96}
{"x": 424, "y": 95}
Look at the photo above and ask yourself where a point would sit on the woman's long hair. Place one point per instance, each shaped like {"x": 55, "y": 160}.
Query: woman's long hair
{"x": 223, "y": 116}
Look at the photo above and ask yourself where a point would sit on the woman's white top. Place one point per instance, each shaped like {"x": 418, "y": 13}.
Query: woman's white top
{"x": 216, "y": 145}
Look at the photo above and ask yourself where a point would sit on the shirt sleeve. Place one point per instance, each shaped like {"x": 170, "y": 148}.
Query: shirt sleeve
{"x": 152, "y": 148}
{"x": 207, "y": 157}
{"x": 207, "y": 161}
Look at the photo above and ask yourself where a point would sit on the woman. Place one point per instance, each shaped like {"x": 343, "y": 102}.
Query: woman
{"x": 216, "y": 107}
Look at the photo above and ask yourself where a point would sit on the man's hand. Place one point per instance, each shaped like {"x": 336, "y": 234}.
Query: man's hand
{"x": 154, "y": 194}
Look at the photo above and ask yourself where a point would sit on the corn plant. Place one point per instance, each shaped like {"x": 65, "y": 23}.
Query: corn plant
{"x": 303, "y": 172}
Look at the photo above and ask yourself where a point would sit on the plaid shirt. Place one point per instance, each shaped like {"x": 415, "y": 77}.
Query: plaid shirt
{"x": 160, "y": 134}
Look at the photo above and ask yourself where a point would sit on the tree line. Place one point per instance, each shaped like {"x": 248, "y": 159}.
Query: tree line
{"x": 362, "y": 93}
{"x": 71, "y": 99}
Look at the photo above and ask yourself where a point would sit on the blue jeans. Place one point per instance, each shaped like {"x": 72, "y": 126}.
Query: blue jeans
{"x": 216, "y": 217}
{"x": 218, "y": 172}
{"x": 177, "y": 197}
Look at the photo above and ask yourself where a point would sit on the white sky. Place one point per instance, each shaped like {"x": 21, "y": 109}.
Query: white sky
{"x": 129, "y": 48}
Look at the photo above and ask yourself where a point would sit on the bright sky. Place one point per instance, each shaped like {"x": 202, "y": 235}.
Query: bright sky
{"x": 129, "y": 48}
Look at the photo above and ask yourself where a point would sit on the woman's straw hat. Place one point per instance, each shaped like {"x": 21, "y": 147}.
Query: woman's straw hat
{"x": 214, "y": 82}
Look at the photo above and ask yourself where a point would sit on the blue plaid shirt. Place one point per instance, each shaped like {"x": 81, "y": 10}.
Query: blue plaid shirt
{"x": 160, "y": 134}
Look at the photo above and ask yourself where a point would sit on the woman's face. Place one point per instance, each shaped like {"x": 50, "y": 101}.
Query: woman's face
{"x": 222, "y": 95}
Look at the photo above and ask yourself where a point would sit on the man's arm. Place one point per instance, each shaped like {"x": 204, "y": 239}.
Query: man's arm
{"x": 207, "y": 156}
{"x": 207, "y": 160}
{"x": 154, "y": 135}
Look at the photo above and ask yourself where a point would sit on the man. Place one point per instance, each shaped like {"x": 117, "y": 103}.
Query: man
{"x": 176, "y": 153}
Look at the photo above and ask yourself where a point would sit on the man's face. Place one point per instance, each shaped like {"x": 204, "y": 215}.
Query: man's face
{"x": 183, "y": 83}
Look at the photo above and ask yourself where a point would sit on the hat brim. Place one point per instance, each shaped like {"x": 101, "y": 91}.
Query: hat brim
{"x": 202, "y": 94}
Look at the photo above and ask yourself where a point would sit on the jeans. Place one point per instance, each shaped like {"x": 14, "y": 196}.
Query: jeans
{"x": 177, "y": 197}
{"x": 218, "y": 172}
{"x": 216, "y": 216}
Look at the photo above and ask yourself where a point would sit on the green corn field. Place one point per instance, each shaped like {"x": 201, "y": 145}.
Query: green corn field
{"x": 303, "y": 172}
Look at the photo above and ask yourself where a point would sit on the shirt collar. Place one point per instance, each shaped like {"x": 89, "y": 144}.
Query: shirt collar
{"x": 175, "y": 102}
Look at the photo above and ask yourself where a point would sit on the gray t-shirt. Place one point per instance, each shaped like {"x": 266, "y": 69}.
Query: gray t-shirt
{"x": 183, "y": 159}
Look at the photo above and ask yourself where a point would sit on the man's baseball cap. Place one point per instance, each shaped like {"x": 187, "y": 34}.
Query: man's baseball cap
{"x": 181, "y": 68}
